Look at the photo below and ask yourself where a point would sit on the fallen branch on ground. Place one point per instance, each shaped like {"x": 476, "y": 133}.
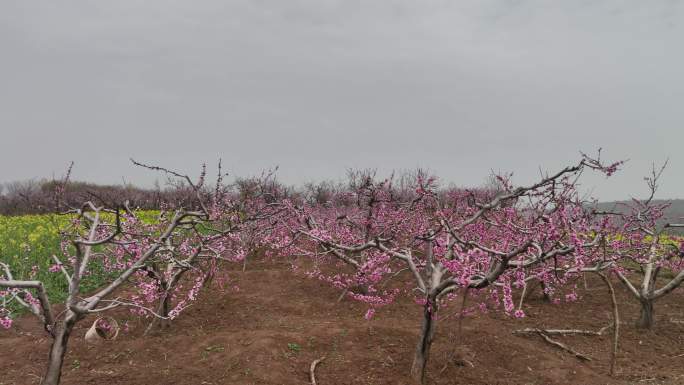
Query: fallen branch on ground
{"x": 312, "y": 370}
{"x": 565, "y": 347}
{"x": 555, "y": 343}
{"x": 562, "y": 331}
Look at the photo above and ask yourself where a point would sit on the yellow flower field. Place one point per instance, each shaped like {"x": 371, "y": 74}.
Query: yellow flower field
{"x": 28, "y": 242}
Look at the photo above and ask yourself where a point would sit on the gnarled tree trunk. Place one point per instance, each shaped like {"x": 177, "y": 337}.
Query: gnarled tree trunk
{"x": 422, "y": 354}
{"x": 647, "y": 317}
{"x": 58, "y": 349}
{"x": 163, "y": 309}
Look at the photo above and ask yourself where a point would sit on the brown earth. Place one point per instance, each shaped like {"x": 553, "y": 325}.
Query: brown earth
{"x": 271, "y": 330}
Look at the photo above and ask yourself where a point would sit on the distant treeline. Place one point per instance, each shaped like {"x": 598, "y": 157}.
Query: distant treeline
{"x": 45, "y": 196}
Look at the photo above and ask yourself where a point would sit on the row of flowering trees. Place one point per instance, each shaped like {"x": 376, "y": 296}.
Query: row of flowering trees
{"x": 375, "y": 240}
{"x": 443, "y": 242}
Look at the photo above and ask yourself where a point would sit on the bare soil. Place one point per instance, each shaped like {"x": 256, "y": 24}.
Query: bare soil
{"x": 276, "y": 324}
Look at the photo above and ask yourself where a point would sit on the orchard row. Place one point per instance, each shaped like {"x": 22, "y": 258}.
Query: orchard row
{"x": 374, "y": 239}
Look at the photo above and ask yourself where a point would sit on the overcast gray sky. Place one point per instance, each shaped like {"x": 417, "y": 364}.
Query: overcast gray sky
{"x": 318, "y": 86}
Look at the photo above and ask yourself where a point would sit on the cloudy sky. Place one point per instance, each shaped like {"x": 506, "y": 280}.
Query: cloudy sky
{"x": 319, "y": 86}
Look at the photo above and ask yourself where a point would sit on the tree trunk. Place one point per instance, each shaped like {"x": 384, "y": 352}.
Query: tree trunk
{"x": 162, "y": 310}
{"x": 165, "y": 322}
{"x": 646, "y": 319}
{"x": 341, "y": 297}
{"x": 356, "y": 289}
{"x": 545, "y": 295}
{"x": 422, "y": 355}
{"x": 58, "y": 349}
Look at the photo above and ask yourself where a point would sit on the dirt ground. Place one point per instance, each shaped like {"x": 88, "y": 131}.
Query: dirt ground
{"x": 276, "y": 324}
